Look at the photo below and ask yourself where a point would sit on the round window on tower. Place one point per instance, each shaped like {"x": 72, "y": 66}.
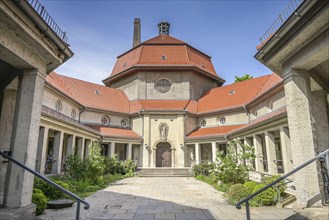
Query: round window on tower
{"x": 222, "y": 120}
{"x": 105, "y": 120}
{"x": 163, "y": 85}
{"x": 203, "y": 123}
{"x": 124, "y": 122}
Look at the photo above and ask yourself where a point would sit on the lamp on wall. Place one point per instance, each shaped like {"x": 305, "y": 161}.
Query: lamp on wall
{"x": 146, "y": 146}
{"x": 182, "y": 146}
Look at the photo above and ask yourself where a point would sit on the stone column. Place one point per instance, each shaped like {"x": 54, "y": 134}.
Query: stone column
{"x": 57, "y": 154}
{"x": 303, "y": 121}
{"x": 197, "y": 153}
{"x": 70, "y": 145}
{"x": 42, "y": 148}
{"x": 286, "y": 149}
{"x": 129, "y": 151}
{"x": 213, "y": 151}
{"x": 6, "y": 128}
{"x": 271, "y": 155}
{"x": 24, "y": 140}
{"x": 146, "y": 148}
{"x": 258, "y": 152}
{"x": 112, "y": 149}
{"x": 80, "y": 146}
{"x": 86, "y": 149}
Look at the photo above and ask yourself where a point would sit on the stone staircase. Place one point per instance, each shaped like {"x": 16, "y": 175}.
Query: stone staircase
{"x": 164, "y": 172}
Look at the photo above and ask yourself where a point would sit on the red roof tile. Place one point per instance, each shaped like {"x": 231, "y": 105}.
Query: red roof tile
{"x": 91, "y": 95}
{"x": 164, "y": 39}
{"x": 236, "y": 94}
{"x": 212, "y": 131}
{"x": 116, "y": 132}
{"x": 234, "y": 129}
{"x": 176, "y": 52}
{"x": 265, "y": 118}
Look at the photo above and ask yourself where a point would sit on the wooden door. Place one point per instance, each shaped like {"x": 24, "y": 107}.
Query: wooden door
{"x": 163, "y": 155}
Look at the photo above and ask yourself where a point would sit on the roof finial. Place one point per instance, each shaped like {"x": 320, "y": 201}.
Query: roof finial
{"x": 164, "y": 27}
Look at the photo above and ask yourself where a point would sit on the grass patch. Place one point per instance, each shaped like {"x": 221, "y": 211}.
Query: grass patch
{"x": 219, "y": 187}
{"x": 84, "y": 188}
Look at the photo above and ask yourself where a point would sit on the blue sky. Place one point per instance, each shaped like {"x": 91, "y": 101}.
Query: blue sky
{"x": 100, "y": 30}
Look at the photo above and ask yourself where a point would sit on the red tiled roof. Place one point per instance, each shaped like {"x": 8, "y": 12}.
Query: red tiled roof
{"x": 233, "y": 129}
{"x": 212, "y": 131}
{"x": 158, "y": 105}
{"x": 90, "y": 95}
{"x": 177, "y": 53}
{"x": 164, "y": 39}
{"x": 116, "y": 132}
{"x": 270, "y": 116}
{"x": 236, "y": 94}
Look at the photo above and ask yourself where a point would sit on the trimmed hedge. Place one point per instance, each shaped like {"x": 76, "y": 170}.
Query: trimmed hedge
{"x": 40, "y": 200}
{"x": 236, "y": 192}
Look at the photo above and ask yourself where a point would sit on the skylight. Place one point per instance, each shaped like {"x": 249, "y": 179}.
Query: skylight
{"x": 232, "y": 92}
{"x": 97, "y": 92}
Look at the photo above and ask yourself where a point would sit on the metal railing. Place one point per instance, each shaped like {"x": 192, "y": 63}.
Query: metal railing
{"x": 284, "y": 15}
{"x": 40, "y": 9}
{"x": 324, "y": 155}
{"x": 77, "y": 198}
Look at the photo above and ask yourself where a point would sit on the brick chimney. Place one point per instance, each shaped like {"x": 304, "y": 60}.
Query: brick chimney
{"x": 137, "y": 32}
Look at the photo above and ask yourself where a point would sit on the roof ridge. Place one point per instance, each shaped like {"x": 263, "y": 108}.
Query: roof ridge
{"x": 268, "y": 78}
{"x": 64, "y": 84}
{"x": 187, "y": 54}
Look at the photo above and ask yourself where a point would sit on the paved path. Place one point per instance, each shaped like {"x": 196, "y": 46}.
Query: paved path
{"x": 162, "y": 198}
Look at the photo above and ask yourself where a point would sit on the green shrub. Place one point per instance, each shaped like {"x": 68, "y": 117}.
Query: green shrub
{"x": 95, "y": 163}
{"x": 279, "y": 186}
{"x": 40, "y": 200}
{"x": 75, "y": 167}
{"x": 236, "y": 192}
{"x": 223, "y": 187}
{"x": 114, "y": 166}
{"x": 250, "y": 186}
{"x": 50, "y": 191}
{"x": 203, "y": 169}
{"x": 267, "y": 197}
{"x": 226, "y": 167}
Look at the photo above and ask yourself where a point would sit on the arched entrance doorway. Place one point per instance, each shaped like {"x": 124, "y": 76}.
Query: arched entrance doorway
{"x": 163, "y": 155}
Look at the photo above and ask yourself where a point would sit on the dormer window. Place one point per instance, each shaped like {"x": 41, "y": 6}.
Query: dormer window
{"x": 125, "y": 64}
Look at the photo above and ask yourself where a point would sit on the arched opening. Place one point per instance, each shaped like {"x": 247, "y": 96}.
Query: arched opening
{"x": 163, "y": 155}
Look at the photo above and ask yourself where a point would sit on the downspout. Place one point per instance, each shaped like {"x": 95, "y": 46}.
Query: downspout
{"x": 80, "y": 112}
{"x": 246, "y": 110}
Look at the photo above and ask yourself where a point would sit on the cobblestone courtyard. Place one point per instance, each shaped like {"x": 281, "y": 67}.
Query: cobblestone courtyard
{"x": 162, "y": 198}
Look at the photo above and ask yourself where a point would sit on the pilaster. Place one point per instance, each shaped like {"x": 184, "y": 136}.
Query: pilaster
{"x": 197, "y": 153}
{"x": 24, "y": 140}
{"x": 271, "y": 155}
{"x": 302, "y": 127}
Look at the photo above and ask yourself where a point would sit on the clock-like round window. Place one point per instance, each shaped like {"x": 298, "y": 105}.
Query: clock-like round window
{"x": 163, "y": 85}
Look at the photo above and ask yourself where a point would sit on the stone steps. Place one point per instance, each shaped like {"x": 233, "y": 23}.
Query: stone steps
{"x": 164, "y": 172}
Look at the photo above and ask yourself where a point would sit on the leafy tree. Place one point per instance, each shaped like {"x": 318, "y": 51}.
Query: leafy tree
{"x": 233, "y": 167}
{"x": 243, "y": 78}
